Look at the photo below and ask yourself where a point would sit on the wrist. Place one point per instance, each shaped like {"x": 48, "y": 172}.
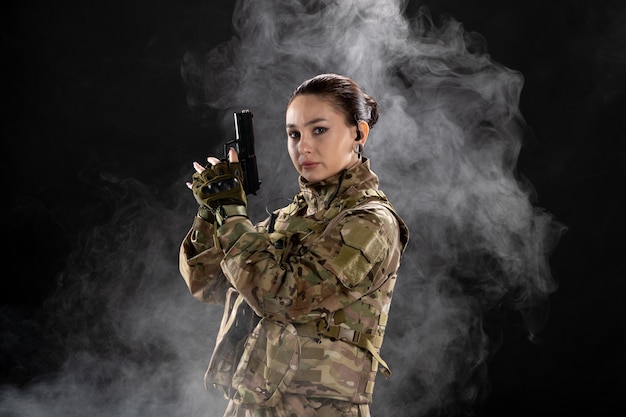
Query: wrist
{"x": 205, "y": 214}
{"x": 222, "y": 213}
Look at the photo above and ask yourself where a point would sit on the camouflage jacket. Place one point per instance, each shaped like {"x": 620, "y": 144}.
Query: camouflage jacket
{"x": 319, "y": 273}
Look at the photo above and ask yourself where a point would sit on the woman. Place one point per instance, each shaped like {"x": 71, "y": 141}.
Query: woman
{"x": 306, "y": 292}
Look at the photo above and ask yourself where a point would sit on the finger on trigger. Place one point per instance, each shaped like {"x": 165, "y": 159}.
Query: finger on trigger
{"x": 232, "y": 155}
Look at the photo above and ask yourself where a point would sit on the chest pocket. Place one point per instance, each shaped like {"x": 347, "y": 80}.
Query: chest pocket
{"x": 288, "y": 234}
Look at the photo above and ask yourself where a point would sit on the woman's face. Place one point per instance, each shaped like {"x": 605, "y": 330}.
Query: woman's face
{"x": 319, "y": 141}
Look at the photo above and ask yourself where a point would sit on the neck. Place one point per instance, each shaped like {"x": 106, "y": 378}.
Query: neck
{"x": 355, "y": 163}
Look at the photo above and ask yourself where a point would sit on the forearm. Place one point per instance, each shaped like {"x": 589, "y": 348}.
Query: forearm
{"x": 289, "y": 287}
{"x": 199, "y": 263}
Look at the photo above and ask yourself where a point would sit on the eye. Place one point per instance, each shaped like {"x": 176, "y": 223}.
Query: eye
{"x": 293, "y": 134}
{"x": 319, "y": 130}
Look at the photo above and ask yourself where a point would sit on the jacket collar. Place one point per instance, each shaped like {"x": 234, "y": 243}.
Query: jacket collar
{"x": 319, "y": 195}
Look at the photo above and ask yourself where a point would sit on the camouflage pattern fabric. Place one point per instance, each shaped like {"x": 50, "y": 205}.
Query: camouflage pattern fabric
{"x": 321, "y": 280}
{"x": 301, "y": 406}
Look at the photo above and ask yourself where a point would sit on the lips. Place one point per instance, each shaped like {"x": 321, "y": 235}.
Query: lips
{"x": 309, "y": 165}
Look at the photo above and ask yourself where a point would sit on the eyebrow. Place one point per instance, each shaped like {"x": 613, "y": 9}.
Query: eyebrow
{"x": 310, "y": 122}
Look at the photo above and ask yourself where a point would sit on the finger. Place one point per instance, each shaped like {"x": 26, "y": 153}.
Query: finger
{"x": 232, "y": 155}
{"x": 213, "y": 160}
{"x": 199, "y": 168}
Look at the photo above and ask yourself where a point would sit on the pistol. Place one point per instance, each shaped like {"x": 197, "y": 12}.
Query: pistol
{"x": 244, "y": 145}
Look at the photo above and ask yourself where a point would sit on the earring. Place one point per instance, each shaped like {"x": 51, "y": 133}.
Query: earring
{"x": 358, "y": 149}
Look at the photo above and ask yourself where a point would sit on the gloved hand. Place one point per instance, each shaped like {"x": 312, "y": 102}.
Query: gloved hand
{"x": 219, "y": 185}
{"x": 218, "y": 188}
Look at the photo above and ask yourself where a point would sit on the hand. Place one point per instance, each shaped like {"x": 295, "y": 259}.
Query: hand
{"x": 218, "y": 184}
{"x": 232, "y": 157}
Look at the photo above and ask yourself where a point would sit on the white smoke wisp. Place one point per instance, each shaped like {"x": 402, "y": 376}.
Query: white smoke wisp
{"x": 126, "y": 335}
{"x": 445, "y": 147}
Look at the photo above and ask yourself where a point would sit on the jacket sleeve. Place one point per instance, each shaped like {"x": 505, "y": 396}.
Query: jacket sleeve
{"x": 350, "y": 258}
{"x": 199, "y": 264}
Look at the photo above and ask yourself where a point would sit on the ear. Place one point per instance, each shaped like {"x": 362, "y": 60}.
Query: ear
{"x": 363, "y": 131}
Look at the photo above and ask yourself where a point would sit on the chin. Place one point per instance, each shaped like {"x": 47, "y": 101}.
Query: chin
{"x": 311, "y": 178}
{"x": 307, "y": 175}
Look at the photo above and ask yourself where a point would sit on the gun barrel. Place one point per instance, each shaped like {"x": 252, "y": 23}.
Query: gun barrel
{"x": 244, "y": 145}
{"x": 244, "y": 133}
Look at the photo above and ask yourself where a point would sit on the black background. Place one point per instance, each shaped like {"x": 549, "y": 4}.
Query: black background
{"x": 91, "y": 87}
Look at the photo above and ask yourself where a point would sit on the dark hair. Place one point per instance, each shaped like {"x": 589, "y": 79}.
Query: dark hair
{"x": 344, "y": 94}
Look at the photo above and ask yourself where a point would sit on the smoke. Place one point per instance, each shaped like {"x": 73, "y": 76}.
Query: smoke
{"x": 135, "y": 343}
{"x": 445, "y": 147}
{"x": 122, "y": 336}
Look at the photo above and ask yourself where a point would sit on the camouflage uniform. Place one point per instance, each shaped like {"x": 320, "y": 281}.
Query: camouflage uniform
{"x": 307, "y": 295}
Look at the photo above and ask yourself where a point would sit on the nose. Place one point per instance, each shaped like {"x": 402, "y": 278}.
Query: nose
{"x": 304, "y": 144}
